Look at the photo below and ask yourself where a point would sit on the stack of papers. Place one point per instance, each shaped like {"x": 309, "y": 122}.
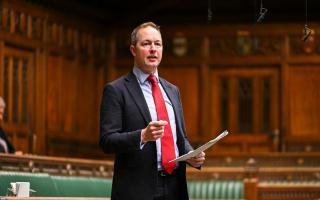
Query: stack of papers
{"x": 201, "y": 148}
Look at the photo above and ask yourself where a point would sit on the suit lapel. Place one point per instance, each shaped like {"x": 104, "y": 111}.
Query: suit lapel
{"x": 137, "y": 95}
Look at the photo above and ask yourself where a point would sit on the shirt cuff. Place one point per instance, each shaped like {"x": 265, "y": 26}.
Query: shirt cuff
{"x": 142, "y": 145}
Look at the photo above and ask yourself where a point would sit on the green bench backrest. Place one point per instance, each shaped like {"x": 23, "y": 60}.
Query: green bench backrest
{"x": 57, "y": 186}
{"x": 69, "y": 186}
{"x": 215, "y": 189}
{"x": 82, "y": 186}
{"x": 40, "y": 182}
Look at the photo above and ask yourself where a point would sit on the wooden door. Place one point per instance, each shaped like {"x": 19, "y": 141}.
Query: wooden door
{"x": 245, "y": 102}
{"x": 17, "y": 78}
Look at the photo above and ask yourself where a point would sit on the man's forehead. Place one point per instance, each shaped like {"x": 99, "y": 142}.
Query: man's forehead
{"x": 148, "y": 28}
{"x": 149, "y": 32}
{"x": 149, "y": 39}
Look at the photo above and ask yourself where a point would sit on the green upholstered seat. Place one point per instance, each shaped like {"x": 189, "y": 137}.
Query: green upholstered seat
{"x": 57, "y": 186}
{"x": 40, "y": 182}
{"x": 69, "y": 186}
{"x": 215, "y": 189}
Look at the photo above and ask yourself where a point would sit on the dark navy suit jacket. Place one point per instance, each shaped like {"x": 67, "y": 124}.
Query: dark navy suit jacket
{"x": 4, "y": 137}
{"x": 123, "y": 114}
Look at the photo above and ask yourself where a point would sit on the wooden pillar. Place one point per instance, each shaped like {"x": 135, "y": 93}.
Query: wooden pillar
{"x": 251, "y": 180}
{"x": 251, "y": 189}
{"x": 38, "y": 136}
{"x": 205, "y": 92}
{"x": 284, "y": 94}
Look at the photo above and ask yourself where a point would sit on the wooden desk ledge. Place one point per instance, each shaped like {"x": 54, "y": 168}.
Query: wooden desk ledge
{"x": 311, "y": 186}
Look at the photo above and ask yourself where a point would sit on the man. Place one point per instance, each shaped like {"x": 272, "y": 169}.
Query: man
{"x": 141, "y": 122}
{"x": 5, "y": 145}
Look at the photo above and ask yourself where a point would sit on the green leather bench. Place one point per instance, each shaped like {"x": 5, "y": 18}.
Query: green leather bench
{"x": 82, "y": 186}
{"x": 215, "y": 189}
{"x": 47, "y": 185}
{"x": 57, "y": 186}
{"x": 40, "y": 182}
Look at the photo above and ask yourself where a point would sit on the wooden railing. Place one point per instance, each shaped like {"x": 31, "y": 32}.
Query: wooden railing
{"x": 281, "y": 190}
{"x": 277, "y": 166}
{"x": 56, "y": 165}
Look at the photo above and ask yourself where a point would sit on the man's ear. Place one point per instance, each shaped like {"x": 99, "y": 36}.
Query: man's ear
{"x": 133, "y": 50}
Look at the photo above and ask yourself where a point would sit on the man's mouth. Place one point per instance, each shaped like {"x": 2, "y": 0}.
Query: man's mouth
{"x": 152, "y": 58}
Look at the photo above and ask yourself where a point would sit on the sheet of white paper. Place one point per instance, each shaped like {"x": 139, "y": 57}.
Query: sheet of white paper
{"x": 201, "y": 148}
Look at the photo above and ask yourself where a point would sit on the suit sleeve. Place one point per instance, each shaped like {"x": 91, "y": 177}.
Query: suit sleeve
{"x": 11, "y": 147}
{"x": 112, "y": 137}
{"x": 3, "y": 135}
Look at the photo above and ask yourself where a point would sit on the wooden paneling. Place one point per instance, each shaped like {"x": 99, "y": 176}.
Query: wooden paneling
{"x": 87, "y": 111}
{"x": 69, "y": 62}
{"x": 86, "y": 115}
{"x": 75, "y": 86}
{"x": 304, "y": 102}
{"x": 59, "y": 62}
{"x": 54, "y": 71}
{"x": 68, "y": 95}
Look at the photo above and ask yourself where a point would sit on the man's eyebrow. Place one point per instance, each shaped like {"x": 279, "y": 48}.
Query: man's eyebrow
{"x": 148, "y": 40}
{"x": 145, "y": 41}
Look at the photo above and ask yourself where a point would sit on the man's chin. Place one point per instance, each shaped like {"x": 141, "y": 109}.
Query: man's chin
{"x": 152, "y": 64}
{"x": 150, "y": 68}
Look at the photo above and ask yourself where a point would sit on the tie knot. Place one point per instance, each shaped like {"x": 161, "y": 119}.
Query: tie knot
{"x": 153, "y": 79}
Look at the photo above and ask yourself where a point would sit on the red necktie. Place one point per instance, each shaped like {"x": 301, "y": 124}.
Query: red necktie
{"x": 167, "y": 144}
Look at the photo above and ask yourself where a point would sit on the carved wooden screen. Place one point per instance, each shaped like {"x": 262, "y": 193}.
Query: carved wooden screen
{"x": 17, "y": 78}
{"x": 245, "y": 102}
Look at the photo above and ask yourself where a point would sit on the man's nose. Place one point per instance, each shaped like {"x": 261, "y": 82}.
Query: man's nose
{"x": 152, "y": 47}
{"x": 152, "y": 50}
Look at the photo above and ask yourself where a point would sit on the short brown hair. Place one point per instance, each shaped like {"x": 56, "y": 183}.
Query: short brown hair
{"x": 134, "y": 37}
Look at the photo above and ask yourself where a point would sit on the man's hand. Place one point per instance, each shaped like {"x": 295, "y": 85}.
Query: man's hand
{"x": 153, "y": 131}
{"x": 197, "y": 160}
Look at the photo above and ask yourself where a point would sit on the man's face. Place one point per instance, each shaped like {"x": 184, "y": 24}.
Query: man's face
{"x": 1, "y": 112}
{"x": 148, "y": 50}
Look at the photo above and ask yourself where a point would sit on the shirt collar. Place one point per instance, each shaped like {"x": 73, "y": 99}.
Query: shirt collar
{"x": 142, "y": 76}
